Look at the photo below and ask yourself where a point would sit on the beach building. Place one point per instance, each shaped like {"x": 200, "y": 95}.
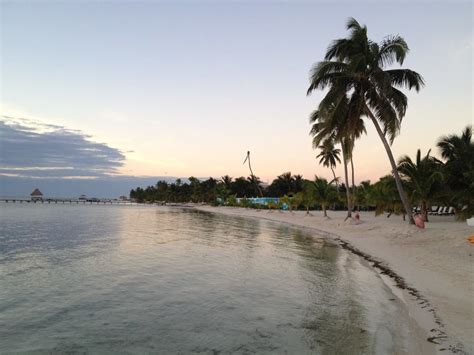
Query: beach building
{"x": 36, "y": 195}
{"x": 83, "y": 198}
{"x": 260, "y": 200}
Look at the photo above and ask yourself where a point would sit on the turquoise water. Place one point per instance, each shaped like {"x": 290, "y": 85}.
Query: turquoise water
{"x": 133, "y": 279}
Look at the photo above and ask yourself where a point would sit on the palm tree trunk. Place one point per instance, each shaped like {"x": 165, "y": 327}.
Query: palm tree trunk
{"x": 324, "y": 210}
{"x": 346, "y": 175}
{"x": 398, "y": 180}
{"x": 353, "y": 183}
{"x": 252, "y": 175}
{"x": 424, "y": 211}
{"x": 337, "y": 187}
{"x": 335, "y": 179}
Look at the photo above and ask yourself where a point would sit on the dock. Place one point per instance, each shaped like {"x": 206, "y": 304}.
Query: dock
{"x": 67, "y": 201}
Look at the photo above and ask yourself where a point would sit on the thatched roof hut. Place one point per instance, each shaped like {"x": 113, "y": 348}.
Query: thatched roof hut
{"x": 36, "y": 195}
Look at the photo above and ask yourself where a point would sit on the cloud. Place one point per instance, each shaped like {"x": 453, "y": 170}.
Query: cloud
{"x": 30, "y": 148}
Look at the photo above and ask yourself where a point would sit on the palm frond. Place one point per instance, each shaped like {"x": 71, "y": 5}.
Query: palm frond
{"x": 338, "y": 49}
{"x": 326, "y": 73}
{"x": 399, "y": 101}
{"x": 392, "y": 49}
{"x": 406, "y": 78}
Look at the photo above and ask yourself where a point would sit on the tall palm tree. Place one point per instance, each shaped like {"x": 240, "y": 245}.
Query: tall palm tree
{"x": 329, "y": 156}
{"x": 353, "y": 188}
{"x": 354, "y": 70}
{"x": 252, "y": 176}
{"x": 335, "y": 121}
{"x": 423, "y": 177}
{"x": 345, "y": 144}
{"x": 350, "y": 158}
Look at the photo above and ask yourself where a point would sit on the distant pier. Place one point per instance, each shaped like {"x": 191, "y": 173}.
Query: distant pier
{"x": 67, "y": 201}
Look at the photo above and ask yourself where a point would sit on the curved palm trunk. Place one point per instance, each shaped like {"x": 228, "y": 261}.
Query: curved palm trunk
{"x": 353, "y": 183}
{"x": 346, "y": 176}
{"x": 252, "y": 175}
{"x": 398, "y": 180}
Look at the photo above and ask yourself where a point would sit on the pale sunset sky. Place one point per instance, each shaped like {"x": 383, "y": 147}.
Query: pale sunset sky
{"x": 186, "y": 88}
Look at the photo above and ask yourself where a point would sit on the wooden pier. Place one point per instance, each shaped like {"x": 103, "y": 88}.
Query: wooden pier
{"x": 67, "y": 201}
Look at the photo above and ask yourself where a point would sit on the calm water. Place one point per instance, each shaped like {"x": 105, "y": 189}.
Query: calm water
{"x": 157, "y": 280}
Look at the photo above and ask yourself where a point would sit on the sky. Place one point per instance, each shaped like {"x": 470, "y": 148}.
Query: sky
{"x": 122, "y": 90}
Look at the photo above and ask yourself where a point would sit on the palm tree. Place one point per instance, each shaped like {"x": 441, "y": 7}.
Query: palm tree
{"x": 423, "y": 176}
{"x": 458, "y": 153}
{"x": 255, "y": 181}
{"x": 298, "y": 182}
{"x": 225, "y": 187}
{"x": 353, "y": 187}
{"x": 252, "y": 176}
{"x": 308, "y": 195}
{"x": 227, "y": 181}
{"x": 282, "y": 185}
{"x": 457, "y": 148}
{"x": 384, "y": 195}
{"x": 329, "y": 156}
{"x": 354, "y": 70}
{"x": 361, "y": 194}
{"x": 196, "y": 189}
{"x": 324, "y": 193}
{"x": 347, "y": 155}
{"x": 286, "y": 180}
{"x": 335, "y": 121}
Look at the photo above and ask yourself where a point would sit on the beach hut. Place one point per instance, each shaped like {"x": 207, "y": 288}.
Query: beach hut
{"x": 36, "y": 195}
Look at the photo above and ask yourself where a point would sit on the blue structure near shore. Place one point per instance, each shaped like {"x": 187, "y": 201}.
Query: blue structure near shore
{"x": 264, "y": 201}
{"x": 261, "y": 200}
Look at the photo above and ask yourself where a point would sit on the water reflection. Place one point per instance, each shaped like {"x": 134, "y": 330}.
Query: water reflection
{"x": 147, "y": 279}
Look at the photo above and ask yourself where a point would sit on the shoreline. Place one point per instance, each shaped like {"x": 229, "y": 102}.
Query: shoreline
{"x": 432, "y": 267}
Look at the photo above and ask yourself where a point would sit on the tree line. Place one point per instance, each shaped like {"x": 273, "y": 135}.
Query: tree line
{"x": 207, "y": 191}
{"x": 427, "y": 180}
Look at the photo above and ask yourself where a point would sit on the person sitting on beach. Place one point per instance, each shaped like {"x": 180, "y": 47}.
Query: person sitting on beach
{"x": 419, "y": 222}
{"x": 356, "y": 216}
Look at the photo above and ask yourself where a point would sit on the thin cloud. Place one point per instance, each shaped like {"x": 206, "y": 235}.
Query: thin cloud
{"x": 30, "y": 148}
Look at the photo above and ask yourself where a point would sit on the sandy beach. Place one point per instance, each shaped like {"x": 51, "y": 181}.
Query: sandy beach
{"x": 434, "y": 264}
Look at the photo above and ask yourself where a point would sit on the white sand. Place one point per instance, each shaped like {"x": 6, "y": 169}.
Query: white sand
{"x": 436, "y": 261}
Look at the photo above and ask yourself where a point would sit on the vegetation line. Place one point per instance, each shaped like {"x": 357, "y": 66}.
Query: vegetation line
{"x": 430, "y": 183}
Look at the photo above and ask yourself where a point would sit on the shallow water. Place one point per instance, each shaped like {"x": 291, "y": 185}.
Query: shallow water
{"x": 159, "y": 280}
